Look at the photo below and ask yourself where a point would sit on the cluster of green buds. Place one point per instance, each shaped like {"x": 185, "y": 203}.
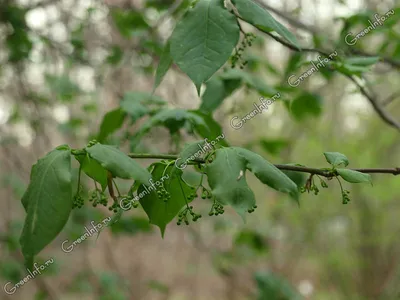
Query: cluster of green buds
{"x": 216, "y": 209}
{"x": 206, "y": 194}
{"x": 78, "y": 200}
{"x": 251, "y": 210}
{"x": 237, "y": 56}
{"x": 92, "y": 143}
{"x": 98, "y": 197}
{"x": 163, "y": 194}
{"x": 183, "y": 216}
{"x": 345, "y": 196}
{"x": 126, "y": 202}
{"x": 311, "y": 186}
{"x": 114, "y": 207}
{"x": 192, "y": 195}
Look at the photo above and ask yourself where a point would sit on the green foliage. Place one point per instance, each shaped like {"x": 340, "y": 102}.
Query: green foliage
{"x": 306, "y": 105}
{"x": 47, "y": 202}
{"x": 203, "y": 40}
{"x": 93, "y": 169}
{"x": 163, "y": 66}
{"x": 336, "y": 159}
{"x": 112, "y": 121}
{"x": 118, "y": 163}
{"x": 273, "y": 287}
{"x": 161, "y": 212}
{"x": 254, "y": 14}
{"x": 354, "y": 176}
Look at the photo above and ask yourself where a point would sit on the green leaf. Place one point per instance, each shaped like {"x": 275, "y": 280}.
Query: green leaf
{"x": 273, "y": 287}
{"x": 212, "y": 131}
{"x": 194, "y": 149}
{"x": 112, "y": 121}
{"x": 174, "y": 119}
{"x": 118, "y": 163}
{"x": 354, "y": 176}
{"x": 336, "y": 158}
{"x": 254, "y": 14}
{"x": 47, "y": 201}
{"x": 160, "y": 213}
{"x": 268, "y": 174}
{"x": 251, "y": 81}
{"x": 137, "y": 104}
{"x": 227, "y": 179}
{"x": 305, "y": 105}
{"x": 362, "y": 60}
{"x": 217, "y": 90}
{"x": 93, "y": 169}
{"x": 274, "y": 146}
{"x": 163, "y": 66}
{"x": 204, "y": 39}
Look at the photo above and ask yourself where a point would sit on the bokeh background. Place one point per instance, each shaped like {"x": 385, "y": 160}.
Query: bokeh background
{"x": 65, "y": 64}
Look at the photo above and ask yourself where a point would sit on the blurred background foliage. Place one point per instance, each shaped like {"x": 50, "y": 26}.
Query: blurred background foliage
{"x": 72, "y": 70}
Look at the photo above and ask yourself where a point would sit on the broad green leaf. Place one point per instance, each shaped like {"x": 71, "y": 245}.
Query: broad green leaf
{"x": 306, "y": 105}
{"x": 227, "y": 179}
{"x": 267, "y": 173}
{"x": 144, "y": 98}
{"x": 47, "y": 201}
{"x": 297, "y": 177}
{"x": 118, "y": 163}
{"x": 93, "y": 169}
{"x": 163, "y": 66}
{"x": 354, "y": 176}
{"x": 160, "y": 213}
{"x": 192, "y": 150}
{"x": 204, "y": 39}
{"x": 254, "y": 14}
{"x": 336, "y": 158}
{"x": 217, "y": 90}
{"x": 112, "y": 121}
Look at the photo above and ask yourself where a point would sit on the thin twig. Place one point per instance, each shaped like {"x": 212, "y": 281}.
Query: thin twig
{"x": 320, "y": 172}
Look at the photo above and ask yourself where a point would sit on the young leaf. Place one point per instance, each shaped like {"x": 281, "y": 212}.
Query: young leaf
{"x": 254, "y": 14}
{"x": 160, "y": 213}
{"x": 204, "y": 39}
{"x": 47, "y": 201}
{"x": 163, "y": 66}
{"x": 354, "y": 176}
{"x": 118, "y": 163}
{"x": 93, "y": 169}
{"x": 112, "y": 121}
{"x": 226, "y": 177}
{"x": 336, "y": 159}
{"x": 267, "y": 173}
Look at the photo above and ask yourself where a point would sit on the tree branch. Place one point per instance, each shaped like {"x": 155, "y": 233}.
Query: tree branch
{"x": 315, "y": 171}
{"x": 375, "y": 104}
